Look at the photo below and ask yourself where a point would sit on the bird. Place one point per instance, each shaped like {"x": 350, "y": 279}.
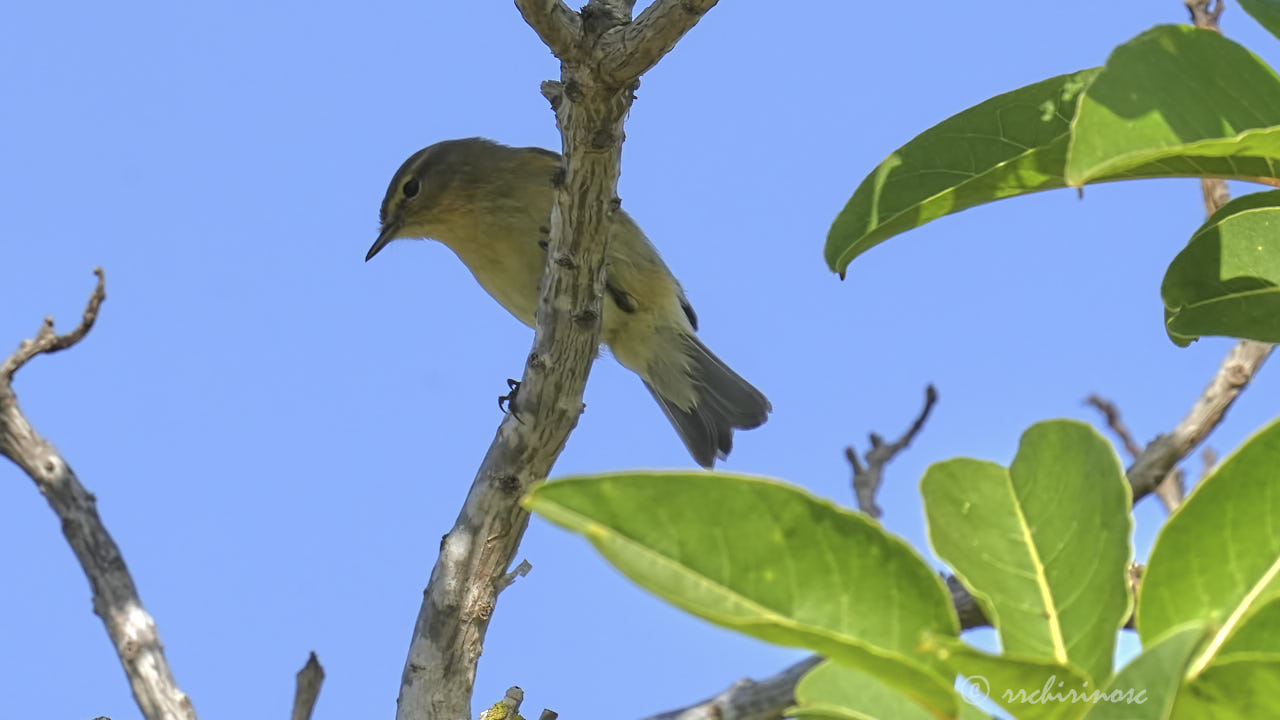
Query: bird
{"x": 491, "y": 205}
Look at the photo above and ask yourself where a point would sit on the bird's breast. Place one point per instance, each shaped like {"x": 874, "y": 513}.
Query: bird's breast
{"x": 506, "y": 265}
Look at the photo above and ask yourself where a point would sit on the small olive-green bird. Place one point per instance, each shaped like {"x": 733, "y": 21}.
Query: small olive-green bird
{"x": 491, "y": 205}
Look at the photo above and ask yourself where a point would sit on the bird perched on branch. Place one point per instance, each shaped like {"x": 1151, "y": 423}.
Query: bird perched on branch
{"x": 491, "y": 205}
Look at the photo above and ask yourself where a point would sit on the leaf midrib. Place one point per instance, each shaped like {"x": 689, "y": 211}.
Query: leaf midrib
{"x": 1042, "y": 581}
{"x": 1248, "y": 602}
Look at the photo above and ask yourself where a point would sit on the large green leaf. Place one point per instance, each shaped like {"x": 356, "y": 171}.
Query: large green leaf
{"x": 1177, "y": 100}
{"x": 772, "y": 561}
{"x": 1259, "y": 633}
{"x": 1266, "y": 12}
{"x": 1043, "y": 545}
{"x": 1030, "y": 688}
{"x": 833, "y": 691}
{"x": 1227, "y": 280}
{"x": 1238, "y": 688}
{"x": 1147, "y": 687}
{"x": 1217, "y": 560}
{"x": 1012, "y": 144}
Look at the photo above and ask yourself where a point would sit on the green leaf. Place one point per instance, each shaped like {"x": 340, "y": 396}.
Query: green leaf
{"x": 1012, "y": 144}
{"x": 1238, "y": 688}
{"x": 1177, "y": 100}
{"x": 1044, "y": 545}
{"x": 1217, "y": 560}
{"x": 1266, "y": 12}
{"x": 1259, "y": 632}
{"x": 1227, "y": 280}
{"x": 771, "y": 561}
{"x": 832, "y": 691}
{"x": 838, "y": 692}
{"x": 1030, "y": 688}
{"x": 1146, "y": 688}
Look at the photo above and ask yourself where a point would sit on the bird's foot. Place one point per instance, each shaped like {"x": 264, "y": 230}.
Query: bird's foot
{"x": 507, "y": 403}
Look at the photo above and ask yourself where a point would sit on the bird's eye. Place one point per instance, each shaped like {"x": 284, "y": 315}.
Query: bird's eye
{"x": 410, "y": 187}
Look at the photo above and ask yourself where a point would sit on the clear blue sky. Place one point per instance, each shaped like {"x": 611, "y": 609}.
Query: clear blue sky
{"x": 278, "y": 433}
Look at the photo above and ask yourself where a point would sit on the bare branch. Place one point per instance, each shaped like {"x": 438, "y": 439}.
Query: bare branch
{"x": 557, "y": 26}
{"x": 47, "y": 341}
{"x": 115, "y": 597}
{"x": 1112, "y": 415}
{"x": 1171, "y": 489}
{"x": 1205, "y": 14}
{"x": 631, "y": 50}
{"x": 590, "y": 107}
{"x": 748, "y": 699}
{"x": 310, "y": 678}
{"x": 1208, "y": 459}
{"x": 548, "y": 715}
{"x": 867, "y": 479}
{"x": 1166, "y": 451}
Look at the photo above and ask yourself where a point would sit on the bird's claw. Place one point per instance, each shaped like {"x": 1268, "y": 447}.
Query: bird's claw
{"x": 507, "y": 403}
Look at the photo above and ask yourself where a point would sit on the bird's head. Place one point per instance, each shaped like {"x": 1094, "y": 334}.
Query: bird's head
{"x": 432, "y": 190}
{"x": 448, "y": 189}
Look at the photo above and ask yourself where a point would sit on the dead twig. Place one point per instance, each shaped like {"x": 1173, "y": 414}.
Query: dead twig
{"x": 310, "y": 678}
{"x": 868, "y": 478}
{"x": 115, "y": 597}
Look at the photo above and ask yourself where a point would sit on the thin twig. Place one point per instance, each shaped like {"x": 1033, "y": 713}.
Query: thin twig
{"x": 1172, "y": 488}
{"x": 1112, "y": 415}
{"x": 1208, "y": 460}
{"x": 115, "y": 597}
{"x": 310, "y": 678}
{"x": 439, "y": 673}
{"x": 868, "y": 478}
{"x": 47, "y": 341}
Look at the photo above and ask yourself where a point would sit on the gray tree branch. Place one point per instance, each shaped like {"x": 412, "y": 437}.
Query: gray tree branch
{"x": 1171, "y": 489}
{"x": 633, "y": 48}
{"x": 868, "y": 478}
{"x": 439, "y": 673}
{"x": 115, "y": 597}
{"x": 748, "y": 699}
{"x": 310, "y": 678}
{"x": 1166, "y": 451}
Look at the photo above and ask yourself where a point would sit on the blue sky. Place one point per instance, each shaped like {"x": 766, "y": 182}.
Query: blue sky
{"x": 278, "y": 433}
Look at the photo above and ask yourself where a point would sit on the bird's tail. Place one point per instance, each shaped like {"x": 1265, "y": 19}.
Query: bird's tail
{"x": 722, "y": 401}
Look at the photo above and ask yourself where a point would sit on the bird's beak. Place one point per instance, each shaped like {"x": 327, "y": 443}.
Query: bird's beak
{"x": 389, "y": 232}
